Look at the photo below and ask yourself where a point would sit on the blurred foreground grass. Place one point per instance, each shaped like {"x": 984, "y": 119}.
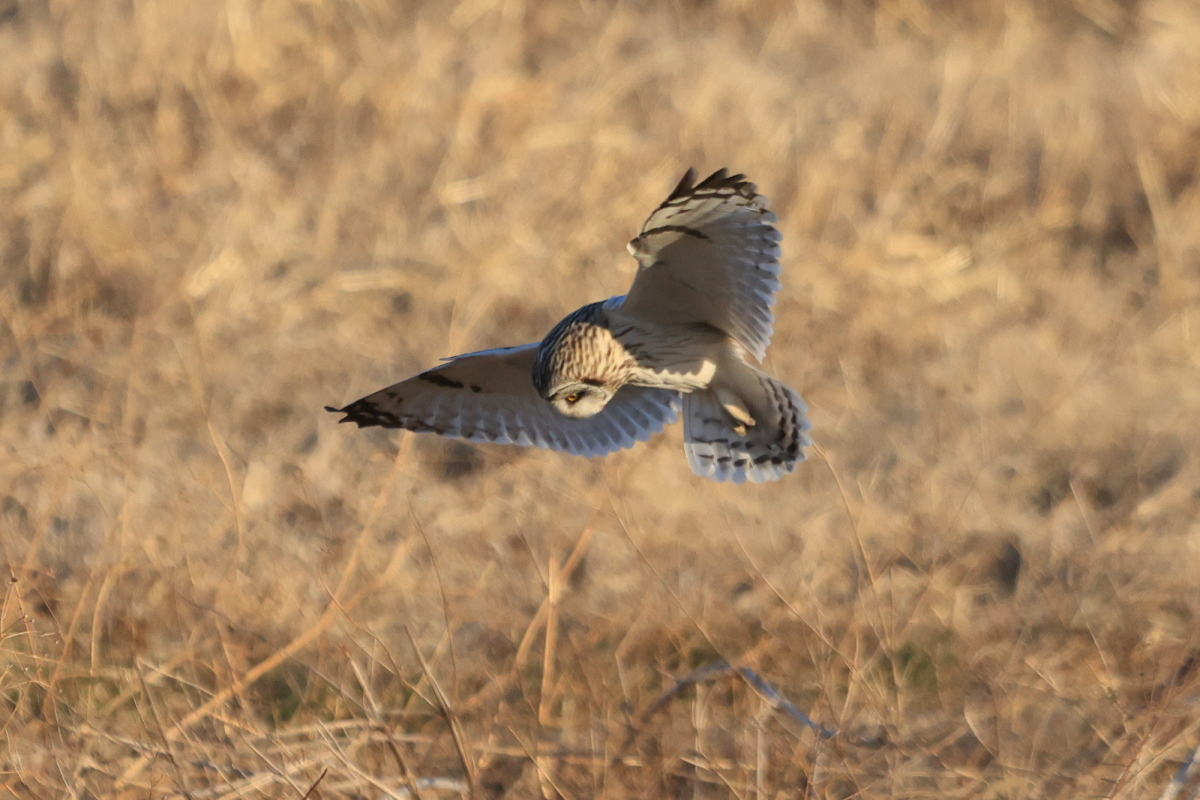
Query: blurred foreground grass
{"x": 216, "y": 217}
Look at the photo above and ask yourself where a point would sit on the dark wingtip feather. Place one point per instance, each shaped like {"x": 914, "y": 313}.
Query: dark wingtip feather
{"x": 716, "y": 179}
{"x": 333, "y": 410}
{"x": 366, "y": 413}
{"x": 685, "y": 185}
{"x": 721, "y": 179}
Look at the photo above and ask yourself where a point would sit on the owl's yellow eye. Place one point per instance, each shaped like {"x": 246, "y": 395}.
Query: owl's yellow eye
{"x": 573, "y": 398}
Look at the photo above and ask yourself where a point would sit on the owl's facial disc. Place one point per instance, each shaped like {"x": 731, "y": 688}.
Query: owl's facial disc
{"x": 580, "y": 400}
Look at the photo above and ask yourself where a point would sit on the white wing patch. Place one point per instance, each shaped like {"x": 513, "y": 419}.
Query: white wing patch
{"x": 489, "y": 396}
{"x": 709, "y": 254}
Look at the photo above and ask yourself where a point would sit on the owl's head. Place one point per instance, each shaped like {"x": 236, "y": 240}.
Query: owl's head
{"x": 579, "y": 365}
{"x": 580, "y": 399}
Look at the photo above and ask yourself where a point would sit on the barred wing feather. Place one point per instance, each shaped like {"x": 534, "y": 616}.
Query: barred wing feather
{"x": 489, "y": 396}
{"x": 709, "y": 254}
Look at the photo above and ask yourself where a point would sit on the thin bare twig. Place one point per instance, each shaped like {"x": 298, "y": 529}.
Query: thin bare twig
{"x": 780, "y": 703}
{"x": 500, "y": 684}
{"x": 316, "y": 783}
{"x": 443, "y": 704}
{"x": 377, "y": 724}
{"x": 710, "y": 672}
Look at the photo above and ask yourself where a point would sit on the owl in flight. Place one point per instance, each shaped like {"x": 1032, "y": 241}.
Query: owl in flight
{"x": 614, "y": 373}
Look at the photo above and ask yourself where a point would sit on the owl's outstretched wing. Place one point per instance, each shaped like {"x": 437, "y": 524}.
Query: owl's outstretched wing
{"x": 709, "y": 254}
{"x": 489, "y": 397}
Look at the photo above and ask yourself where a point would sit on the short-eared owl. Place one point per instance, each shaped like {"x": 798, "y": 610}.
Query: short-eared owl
{"x": 613, "y": 373}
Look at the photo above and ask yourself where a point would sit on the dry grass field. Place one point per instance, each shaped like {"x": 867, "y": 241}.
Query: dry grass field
{"x": 217, "y": 217}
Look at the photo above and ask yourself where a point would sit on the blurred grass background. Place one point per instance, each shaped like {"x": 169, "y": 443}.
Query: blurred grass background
{"x": 216, "y": 217}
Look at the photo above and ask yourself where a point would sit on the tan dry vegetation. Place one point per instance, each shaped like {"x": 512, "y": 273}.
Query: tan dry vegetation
{"x": 216, "y": 217}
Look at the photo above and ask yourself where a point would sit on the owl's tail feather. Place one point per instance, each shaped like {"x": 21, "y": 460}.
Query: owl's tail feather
{"x": 745, "y": 426}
